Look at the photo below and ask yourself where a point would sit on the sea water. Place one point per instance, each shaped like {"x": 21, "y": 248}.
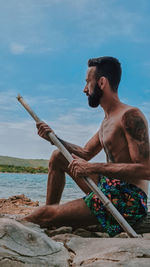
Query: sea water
{"x": 34, "y": 187}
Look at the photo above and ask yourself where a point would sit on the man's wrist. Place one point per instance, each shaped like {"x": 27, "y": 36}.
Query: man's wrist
{"x": 95, "y": 168}
{"x": 91, "y": 168}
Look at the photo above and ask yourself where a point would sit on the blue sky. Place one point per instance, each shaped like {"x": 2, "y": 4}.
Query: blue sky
{"x": 44, "y": 49}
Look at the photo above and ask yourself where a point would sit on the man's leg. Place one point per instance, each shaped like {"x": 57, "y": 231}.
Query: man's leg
{"x": 58, "y": 165}
{"x": 74, "y": 213}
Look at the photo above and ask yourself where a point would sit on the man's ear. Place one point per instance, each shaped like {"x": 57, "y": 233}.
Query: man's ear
{"x": 102, "y": 82}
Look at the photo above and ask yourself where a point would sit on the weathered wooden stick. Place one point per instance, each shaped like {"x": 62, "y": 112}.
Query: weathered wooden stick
{"x": 107, "y": 203}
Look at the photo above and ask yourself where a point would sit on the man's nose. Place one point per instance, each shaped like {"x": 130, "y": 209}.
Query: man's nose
{"x": 85, "y": 90}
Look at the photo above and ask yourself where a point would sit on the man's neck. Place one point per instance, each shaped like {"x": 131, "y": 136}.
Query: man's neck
{"x": 110, "y": 105}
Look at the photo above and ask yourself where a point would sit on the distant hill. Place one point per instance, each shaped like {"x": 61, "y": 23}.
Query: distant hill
{"x": 34, "y": 163}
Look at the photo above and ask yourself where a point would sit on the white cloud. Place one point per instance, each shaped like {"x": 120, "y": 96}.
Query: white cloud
{"x": 10, "y": 107}
{"x": 19, "y": 138}
{"x": 7, "y": 101}
{"x": 17, "y": 49}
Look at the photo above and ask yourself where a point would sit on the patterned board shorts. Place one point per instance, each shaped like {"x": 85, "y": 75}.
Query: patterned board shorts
{"x": 129, "y": 200}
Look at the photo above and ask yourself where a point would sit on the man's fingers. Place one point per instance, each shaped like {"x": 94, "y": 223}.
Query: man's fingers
{"x": 75, "y": 156}
{"x": 38, "y": 124}
{"x": 42, "y": 126}
{"x": 44, "y": 133}
{"x": 44, "y": 129}
{"x": 72, "y": 166}
{"x": 72, "y": 170}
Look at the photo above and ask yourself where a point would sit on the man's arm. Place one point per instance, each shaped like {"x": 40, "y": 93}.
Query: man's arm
{"x": 91, "y": 149}
{"x": 136, "y": 131}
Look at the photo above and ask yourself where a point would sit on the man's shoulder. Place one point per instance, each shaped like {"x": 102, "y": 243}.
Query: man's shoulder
{"x": 135, "y": 123}
{"x": 127, "y": 108}
{"x": 131, "y": 113}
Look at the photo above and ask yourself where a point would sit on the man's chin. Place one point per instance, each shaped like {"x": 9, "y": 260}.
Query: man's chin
{"x": 93, "y": 105}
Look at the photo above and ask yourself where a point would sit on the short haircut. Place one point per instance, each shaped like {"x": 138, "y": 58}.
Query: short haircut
{"x": 108, "y": 67}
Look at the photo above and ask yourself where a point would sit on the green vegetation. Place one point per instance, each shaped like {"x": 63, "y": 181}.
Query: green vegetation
{"x": 22, "y": 169}
{"x": 17, "y": 165}
{"x": 34, "y": 163}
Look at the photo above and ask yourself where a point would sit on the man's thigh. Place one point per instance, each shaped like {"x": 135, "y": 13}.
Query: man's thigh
{"x": 74, "y": 213}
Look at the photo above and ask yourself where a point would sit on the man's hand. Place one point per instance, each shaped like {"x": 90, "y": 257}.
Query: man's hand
{"x": 79, "y": 167}
{"x": 43, "y": 130}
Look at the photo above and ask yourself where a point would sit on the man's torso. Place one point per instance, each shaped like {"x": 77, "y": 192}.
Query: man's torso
{"x": 114, "y": 143}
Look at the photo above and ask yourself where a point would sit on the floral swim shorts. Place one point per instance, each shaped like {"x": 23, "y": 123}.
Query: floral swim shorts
{"x": 129, "y": 200}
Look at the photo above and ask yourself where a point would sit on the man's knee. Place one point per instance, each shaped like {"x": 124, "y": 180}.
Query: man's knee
{"x": 48, "y": 210}
{"x": 47, "y": 214}
{"x": 57, "y": 159}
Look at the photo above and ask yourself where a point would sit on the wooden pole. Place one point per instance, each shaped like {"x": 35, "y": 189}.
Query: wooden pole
{"x": 107, "y": 203}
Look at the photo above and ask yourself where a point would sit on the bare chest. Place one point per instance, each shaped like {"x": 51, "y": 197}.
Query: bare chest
{"x": 109, "y": 131}
{"x": 113, "y": 140}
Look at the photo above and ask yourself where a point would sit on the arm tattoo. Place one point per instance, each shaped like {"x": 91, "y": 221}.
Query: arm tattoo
{"x": 136, "y": 128}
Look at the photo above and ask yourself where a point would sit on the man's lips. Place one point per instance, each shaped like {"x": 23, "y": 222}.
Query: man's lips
{"x": 87, "y": 94}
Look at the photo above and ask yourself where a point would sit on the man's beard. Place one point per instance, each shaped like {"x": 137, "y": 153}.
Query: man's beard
{"x": 94, "y": 98}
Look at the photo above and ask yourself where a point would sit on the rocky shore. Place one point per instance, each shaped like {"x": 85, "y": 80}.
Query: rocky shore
{"x": 19, "y": 204}
{"x": 26, "y": 244}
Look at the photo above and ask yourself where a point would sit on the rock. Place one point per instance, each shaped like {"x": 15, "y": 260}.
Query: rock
{"x": 25, "y": 244}
{"x": 19, "y": 204}
{"x": 110, "y": 252}
{"x": 143, "y": 226}
{"x": 101, "y": 235}
{"x": 22, "y": 199}
{"x": 94, "y": 228}
{"x": 63, "y": 237}
{"x": 122, "y": 235}
{"x": 146, "y": 235}
{"x": 82, "y": 232}
{"x": 58, "y": 231}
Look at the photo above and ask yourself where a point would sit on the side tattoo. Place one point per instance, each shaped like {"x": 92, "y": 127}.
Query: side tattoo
{"x": 136, "y": 128}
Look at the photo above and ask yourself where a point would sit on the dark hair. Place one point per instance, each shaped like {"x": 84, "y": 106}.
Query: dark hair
{"x": 108, "y": 67}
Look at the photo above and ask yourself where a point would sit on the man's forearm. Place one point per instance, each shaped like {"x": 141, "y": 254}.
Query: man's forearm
{"x": 77, "y": 150}
{"x": 127, "y": 172}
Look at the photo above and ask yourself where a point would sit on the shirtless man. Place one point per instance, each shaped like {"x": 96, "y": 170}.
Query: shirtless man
{"x": 124, "y": 178}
